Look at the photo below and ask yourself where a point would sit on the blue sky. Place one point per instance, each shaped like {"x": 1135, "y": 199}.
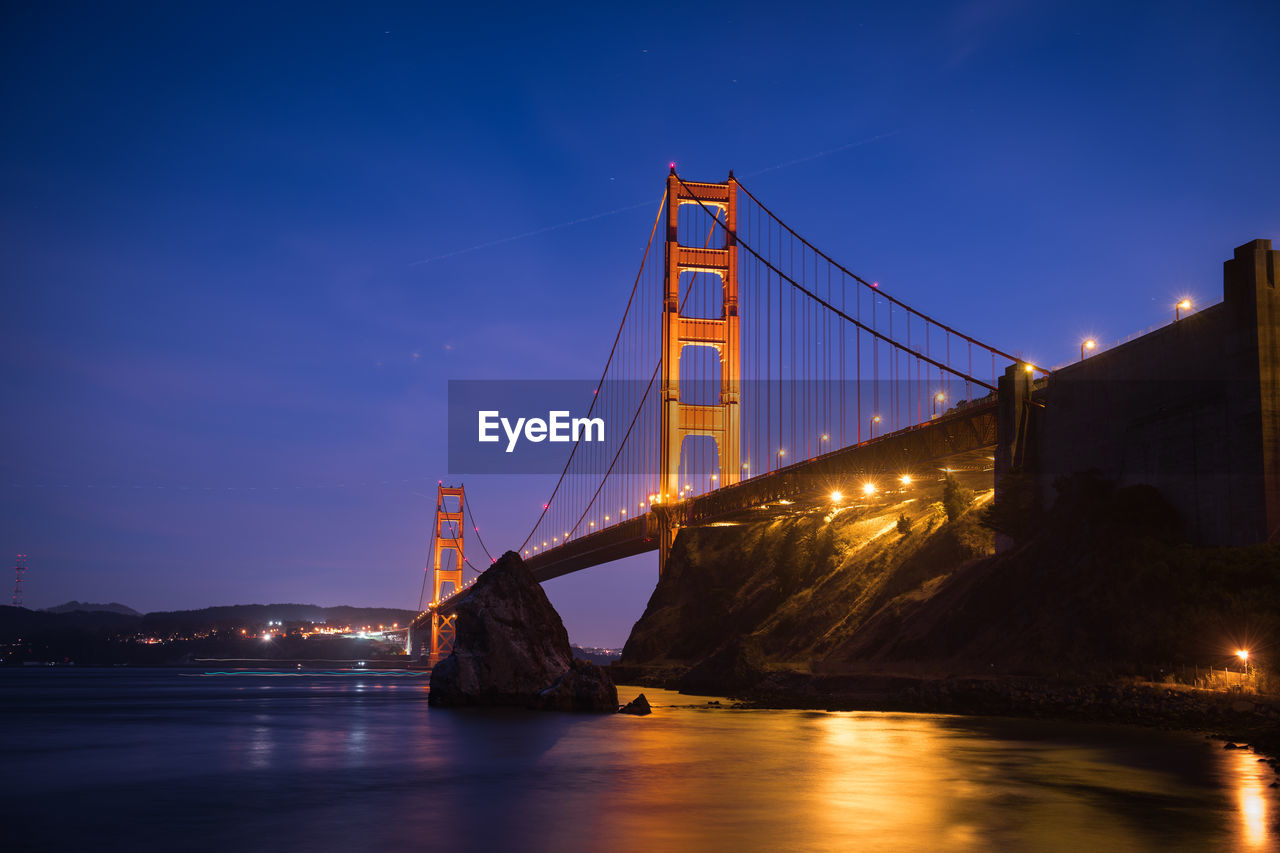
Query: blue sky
{"x": 225, "y": 360}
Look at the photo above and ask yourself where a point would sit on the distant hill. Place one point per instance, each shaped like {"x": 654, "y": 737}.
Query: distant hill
{"x": 238, "y": 615}
{"x": 17, "y": 622}
{"x": 86, "y": 607}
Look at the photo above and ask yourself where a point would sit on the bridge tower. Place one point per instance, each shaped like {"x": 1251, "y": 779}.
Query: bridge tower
{"x": 679, "y": 419}
{"x": 446, "y": 540}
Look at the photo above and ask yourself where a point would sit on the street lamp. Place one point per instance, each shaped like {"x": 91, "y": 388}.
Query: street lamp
{"x": 1087, "y": 344}
{"x": 1182, "y": 305}
{"x": 938, "y": 398}
{"x": 875, "y": 419}
{"x": 1243, "y": 654}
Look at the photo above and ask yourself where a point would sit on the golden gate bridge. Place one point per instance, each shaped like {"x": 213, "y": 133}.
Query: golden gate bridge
{"x": 749, "y": 368}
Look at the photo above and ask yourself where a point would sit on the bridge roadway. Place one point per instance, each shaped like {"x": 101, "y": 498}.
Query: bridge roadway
{"x": 961, "y": 439}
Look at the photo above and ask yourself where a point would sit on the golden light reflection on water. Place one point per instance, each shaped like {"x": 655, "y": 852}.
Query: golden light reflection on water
{"x": 1252, "y": 799}
{"x": 690, "y": 779}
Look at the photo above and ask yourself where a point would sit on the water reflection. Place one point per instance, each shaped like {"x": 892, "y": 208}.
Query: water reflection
{"x": 1251, "y": 795}
{"x": 326, "y": 766}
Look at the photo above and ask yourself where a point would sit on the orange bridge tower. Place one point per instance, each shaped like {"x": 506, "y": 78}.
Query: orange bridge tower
{"x": 448, "y": 538}
{"x": 679, "y": 419}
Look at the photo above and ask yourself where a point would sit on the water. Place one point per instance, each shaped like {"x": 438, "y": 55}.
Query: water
{"x": 177, "y": 760}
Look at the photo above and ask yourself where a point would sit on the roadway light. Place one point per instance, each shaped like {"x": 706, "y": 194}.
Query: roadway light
{"x": 868, "y": 488}
{"x": 1087, "y": 344}
{"x": 1243, "y": 654}
{"x": 1029, "y": 368}
{"x": 938, "y": 398}
{"x": 905, "y": 479}
{"x": 826, "y": 437}
{"x": 1182, "y": 305}
{"x": 836, "y": 497}
{"x": 875, "y": 419}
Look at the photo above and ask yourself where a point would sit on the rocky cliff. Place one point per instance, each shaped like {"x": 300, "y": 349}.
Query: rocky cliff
{"x": 1101, "y": 584}
{"x": 797, "y": 587}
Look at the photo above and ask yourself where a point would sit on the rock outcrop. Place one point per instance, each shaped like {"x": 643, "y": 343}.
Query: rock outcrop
{"x": 585, "y": 686}
{"x": 510, "y": 648}
{"x": 638, "y": 707}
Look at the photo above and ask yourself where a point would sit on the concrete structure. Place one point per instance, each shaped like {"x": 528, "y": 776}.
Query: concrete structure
{"x": 1192, "y": 408}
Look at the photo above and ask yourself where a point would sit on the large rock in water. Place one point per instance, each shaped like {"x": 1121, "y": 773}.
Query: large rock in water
{"x": 509, "y": 643}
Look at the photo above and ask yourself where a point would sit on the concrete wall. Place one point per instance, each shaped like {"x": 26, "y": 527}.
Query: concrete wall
{"x": 1192, "y": 408}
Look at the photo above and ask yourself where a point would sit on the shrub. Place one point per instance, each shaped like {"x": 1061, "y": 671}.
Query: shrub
{"x": 955, "y": 498}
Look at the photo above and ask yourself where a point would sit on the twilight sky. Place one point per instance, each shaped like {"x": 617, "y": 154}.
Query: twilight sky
{"x": 244, "y": 246}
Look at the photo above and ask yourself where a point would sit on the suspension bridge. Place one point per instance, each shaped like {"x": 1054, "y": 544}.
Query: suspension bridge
{"x": 752, "y": 372}
{"x": 749, "y": 369}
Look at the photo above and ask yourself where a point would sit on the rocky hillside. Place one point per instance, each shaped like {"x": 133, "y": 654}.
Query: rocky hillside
{"x": 1102, "y": 584}
{"x": 800, "y": 587}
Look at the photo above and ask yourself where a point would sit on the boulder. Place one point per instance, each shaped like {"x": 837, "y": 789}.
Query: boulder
{"x": 509, "y": 642}
{"x": 638, "y": 706}
{"x": 585, "y": 686}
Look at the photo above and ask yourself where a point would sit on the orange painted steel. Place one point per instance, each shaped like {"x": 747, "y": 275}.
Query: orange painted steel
{"x": 443, "y": 625}
{"x": 720, "y": 421}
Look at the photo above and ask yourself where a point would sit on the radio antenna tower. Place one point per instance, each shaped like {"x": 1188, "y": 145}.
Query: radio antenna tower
{"x": 18, "y": 571}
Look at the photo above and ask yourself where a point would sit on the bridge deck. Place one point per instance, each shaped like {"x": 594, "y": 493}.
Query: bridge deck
{"x": 959, "y": 438}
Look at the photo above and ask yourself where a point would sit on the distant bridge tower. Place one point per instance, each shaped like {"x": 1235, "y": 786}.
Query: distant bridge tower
{"x": 446, "y": 540}
{"x": 19, "y": 570}
{"x": 719, "y": 420}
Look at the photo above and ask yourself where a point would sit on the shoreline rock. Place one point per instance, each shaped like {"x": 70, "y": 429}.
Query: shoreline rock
{"x": 511, "y": 649}
{"x": 585, "y": 686}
